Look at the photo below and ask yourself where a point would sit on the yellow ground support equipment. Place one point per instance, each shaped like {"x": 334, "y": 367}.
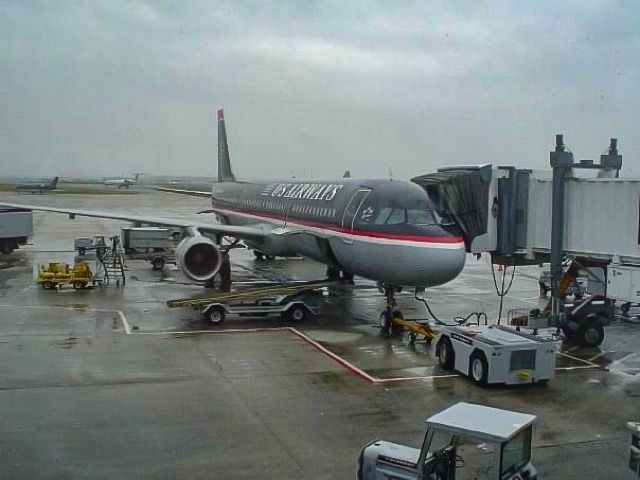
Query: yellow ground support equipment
{"x": 414, "y": 328}
{"x": 54, "y": 275}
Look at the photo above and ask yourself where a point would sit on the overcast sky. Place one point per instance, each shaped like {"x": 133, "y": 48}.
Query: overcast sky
{"x": 311, "y": 88}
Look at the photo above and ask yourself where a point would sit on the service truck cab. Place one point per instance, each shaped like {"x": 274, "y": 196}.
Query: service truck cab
{"x": 504, "y": 438}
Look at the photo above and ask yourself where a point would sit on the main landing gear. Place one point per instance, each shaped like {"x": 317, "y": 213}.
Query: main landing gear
{"x": 391, "y": 312}
{"x": 261, "y": 255}
{"x": 335, "y": 274}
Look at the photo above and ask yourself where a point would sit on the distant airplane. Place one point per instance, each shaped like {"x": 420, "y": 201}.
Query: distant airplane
{"x": 122, "y": 182}
{"x": 33, "y": 187}
{"x": 388, "y": 231}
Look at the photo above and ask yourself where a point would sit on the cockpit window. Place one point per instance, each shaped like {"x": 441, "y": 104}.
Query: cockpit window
{"x": 420, "y": 217}
{"x": 397, "y": 217}
{"x": 410, "y": 208}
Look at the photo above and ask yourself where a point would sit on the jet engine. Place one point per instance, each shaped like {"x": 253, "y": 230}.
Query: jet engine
{"x": 198, "y": 258}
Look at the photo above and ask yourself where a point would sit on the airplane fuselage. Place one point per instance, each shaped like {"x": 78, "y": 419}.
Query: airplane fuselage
{"x": 384, "y": 230}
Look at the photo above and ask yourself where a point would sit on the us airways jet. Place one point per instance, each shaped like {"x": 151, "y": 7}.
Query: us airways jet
{"x": 385, "y": 230}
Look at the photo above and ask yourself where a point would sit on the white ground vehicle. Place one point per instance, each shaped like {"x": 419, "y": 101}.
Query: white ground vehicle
{"x": 496, "y": 354}
{"x": 509, "y": 433}
{"x": 154, "y": 244}
{"x": 16, "y": 226}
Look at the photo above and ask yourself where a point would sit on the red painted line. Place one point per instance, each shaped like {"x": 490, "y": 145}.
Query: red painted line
{"x": 335, "y": 228}
{"x": 349, "y": 366}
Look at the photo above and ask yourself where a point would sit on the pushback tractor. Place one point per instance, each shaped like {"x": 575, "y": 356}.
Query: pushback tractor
{"x": 505, "y": 438}
{"x": 495, "y": 354}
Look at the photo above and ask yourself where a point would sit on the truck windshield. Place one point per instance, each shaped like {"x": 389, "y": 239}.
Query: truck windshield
{"x": 516, "y": 453}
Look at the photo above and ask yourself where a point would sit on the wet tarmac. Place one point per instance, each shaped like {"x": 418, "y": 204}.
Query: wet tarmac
{"x": 111, "y": 383}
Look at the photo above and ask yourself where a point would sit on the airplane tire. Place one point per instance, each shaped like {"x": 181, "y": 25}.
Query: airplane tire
{"x": 478, "y": 368}
{"x": 384, "y": 320}
{"x": 258, "y": 254}
{"x": 446, "y": 354}
{"x": 396, "y": 314}
{"x": 270, "y": 257}
{"x": 333, "y": 274}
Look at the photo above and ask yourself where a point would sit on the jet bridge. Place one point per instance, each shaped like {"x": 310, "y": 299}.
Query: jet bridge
{"x": 525, "y": 218}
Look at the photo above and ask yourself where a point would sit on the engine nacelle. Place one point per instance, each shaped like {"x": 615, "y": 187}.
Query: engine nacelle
{"x": 199, "y": 258}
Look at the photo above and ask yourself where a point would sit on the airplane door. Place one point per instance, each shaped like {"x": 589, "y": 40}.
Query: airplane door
{"x": 351, "y": 212}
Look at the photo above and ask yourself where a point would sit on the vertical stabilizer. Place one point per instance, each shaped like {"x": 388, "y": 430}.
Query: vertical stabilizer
{"x": 136, "y": 177}
{"x": 54, "y": 183}
{"x": 224, "y": 163}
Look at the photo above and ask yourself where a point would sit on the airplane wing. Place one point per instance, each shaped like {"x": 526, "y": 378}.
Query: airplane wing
{"x": 192, "y": 193}
{"x": 243, "y": 233}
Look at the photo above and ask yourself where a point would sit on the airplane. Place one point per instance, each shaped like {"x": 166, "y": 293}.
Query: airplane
{"x": 388, "y": 231}
{"x": 122, "y": 182}
{"x": 33, "y": 187}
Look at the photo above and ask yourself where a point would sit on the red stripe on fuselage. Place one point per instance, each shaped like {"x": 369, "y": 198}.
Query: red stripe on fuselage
{"x": 335, "y": 228}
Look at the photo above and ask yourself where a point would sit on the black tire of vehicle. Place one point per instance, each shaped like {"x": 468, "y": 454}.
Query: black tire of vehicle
{"x": 297, "y": 313}
{"x": 478, "y": 368}
{"x": 446, "y": 354}
{"x": 157, "y": 263}
{"x": 590, "y": 333}
{"x": 215, "y": 315}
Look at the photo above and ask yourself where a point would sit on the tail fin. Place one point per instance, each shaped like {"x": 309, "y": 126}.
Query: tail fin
{"x": 135, "y": 177}
{"x": 346, "y": 174}
{"x": 54, "y": 183}
{"x": 224, "y": 162}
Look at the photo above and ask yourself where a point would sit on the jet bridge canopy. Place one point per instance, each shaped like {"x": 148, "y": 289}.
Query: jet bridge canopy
{"x": 461, "y": 194}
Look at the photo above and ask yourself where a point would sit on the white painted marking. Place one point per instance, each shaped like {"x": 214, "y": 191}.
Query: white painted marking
{"x": 579, "y": 359}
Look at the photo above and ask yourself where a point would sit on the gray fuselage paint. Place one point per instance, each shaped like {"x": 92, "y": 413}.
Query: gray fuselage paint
{"x": 304, "y": 218}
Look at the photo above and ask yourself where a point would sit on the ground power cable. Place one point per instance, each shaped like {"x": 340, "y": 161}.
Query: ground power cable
{"x": 502, "y": 292}
{"x": 458, "y": 320}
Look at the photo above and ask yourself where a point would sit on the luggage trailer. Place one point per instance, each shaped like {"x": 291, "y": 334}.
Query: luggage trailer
{"x": 496, "y": 354}
{"x": 286, "y": 300}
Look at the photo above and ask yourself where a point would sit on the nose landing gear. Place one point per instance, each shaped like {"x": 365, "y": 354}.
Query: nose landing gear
{"x": 390, "y": 312}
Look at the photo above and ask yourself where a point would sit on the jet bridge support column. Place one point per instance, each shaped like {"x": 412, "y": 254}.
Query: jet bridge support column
{"x": 561, "y": 161}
